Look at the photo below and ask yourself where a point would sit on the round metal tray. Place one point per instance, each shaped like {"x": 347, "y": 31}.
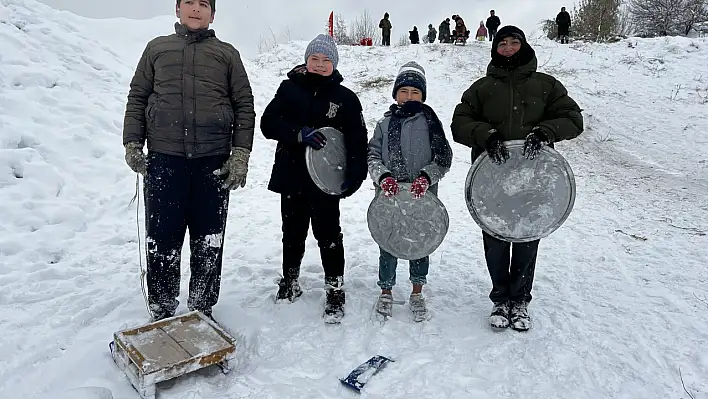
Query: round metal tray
{"x": 520, "y": 200}
{"x": 327, "y": 166}
{"x": 405, "y": 227}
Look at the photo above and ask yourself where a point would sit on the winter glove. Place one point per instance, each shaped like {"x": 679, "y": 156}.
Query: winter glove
{"x": 534, "y": 142}
{"x": 135, "y": 158}
{"x": 496, "y": 148}
{"x": 236, "y": 168}
{"x": 420, "y": 186}
{"x": 313, "y": 138}
{"x": 390, "y": 187}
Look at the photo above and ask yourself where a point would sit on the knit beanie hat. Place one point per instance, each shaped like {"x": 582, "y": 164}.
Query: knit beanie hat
{"x": 212, "y": 2}
{"x": 323, "y": 44}
{"x": 413, "y": 75}
{"x": 507, "y": 31}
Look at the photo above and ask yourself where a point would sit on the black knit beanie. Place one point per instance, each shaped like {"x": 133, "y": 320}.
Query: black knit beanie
{"x": 522, "y": 57}
{"x": 212, "y": 2}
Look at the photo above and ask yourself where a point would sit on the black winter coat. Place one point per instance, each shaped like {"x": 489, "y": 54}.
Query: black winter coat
{"x": 563, "y": 19}
{"x": 300, "y": 102}
{"x": 493, "y": 23}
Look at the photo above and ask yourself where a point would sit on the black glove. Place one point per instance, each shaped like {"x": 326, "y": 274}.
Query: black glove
{"x": 496, "y": 149}
{"x": 311, "y": 137}
{"x": 534, "y": 142}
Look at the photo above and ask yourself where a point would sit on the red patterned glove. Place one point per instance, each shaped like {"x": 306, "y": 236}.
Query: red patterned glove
{"x": 420, "y": 186}
{"x": 390, "y": 187}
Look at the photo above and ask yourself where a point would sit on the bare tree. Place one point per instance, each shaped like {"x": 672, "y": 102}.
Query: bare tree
{"x": 404, "y": 40}
{"x": 667, "y": 17}
{"x": 694, "y": 14}
{"x": 341, "y": 31}
{"x": 596, "y": 20}
{"x": 267, "y": 43}
{"x": 549, "y": 28}
{"x": 364, "y": 26}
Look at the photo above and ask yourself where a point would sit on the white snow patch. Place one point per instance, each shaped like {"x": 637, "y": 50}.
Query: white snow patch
{"x": 214, "y": 240}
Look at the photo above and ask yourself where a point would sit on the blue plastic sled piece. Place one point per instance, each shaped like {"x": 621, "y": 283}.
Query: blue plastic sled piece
{"x": 360, "y": 375}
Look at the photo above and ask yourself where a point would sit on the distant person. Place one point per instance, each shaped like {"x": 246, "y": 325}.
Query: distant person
{"x": 190, "y": 100}
{"x": 460, "y": 28}
{"x": 413, "y": 35}
{"x": 513, "y": 102}
{"x": 563, "y": 22}
{"x": 386, "y": 27}
{"x": 481, "y": 32}
{"x": 493, "y": 24}
{"x": 444, "y": 34}
{"x": 432, "y": 34}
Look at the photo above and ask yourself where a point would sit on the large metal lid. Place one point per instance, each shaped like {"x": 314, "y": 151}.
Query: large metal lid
{"x": 327, "y": 166}
{"x": 520, "y": 200}
{"x": 405, "y": 227}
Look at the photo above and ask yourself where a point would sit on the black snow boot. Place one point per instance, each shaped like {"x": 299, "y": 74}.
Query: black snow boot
{"x": 500, "y": 315}
{"x": 288, "y": 289}
{"x": 334, "y": 305}
{"x": 160, "y": 313}
{"x": 519, "y": 316}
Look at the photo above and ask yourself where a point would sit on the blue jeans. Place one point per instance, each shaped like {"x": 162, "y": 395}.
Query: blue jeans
{"x": 387, "y": 270}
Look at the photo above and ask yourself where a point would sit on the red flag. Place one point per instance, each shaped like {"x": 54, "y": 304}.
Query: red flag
{"x": 331, "y": 24}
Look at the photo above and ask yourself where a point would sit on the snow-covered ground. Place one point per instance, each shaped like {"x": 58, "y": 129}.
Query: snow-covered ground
{"x": 621, "y": 293}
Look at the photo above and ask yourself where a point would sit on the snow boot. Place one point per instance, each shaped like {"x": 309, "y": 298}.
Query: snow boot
{"x": 384, "y": 306}
{"x": 519, "y": 316}
{"x": 334, "y": 305}
{"x": 208, "y": 313}
{"x": 417, "y": 305}
{"x": 500, "y": 315}
{"x": 288, "y": 289}
{"x": 160, "y": 313}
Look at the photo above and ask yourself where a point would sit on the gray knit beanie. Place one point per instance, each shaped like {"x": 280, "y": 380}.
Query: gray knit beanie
{"x": 323, "y": 44}
{"x": 413, "y": 75}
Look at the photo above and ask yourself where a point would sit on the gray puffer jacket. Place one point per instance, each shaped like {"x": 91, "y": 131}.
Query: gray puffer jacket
{"x": 415, "y": 146}
{"x": 190, "y": 97}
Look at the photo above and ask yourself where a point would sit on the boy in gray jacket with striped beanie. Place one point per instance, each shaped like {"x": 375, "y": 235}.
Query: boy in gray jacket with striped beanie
{"x": 409, "y": 145}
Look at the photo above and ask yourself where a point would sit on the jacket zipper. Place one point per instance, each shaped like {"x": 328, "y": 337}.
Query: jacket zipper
{"x": 194, "y": 102}
{"x": 511, "y": 105}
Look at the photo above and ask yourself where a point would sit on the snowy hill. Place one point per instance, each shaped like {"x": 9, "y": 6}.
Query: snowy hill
{"x": 621, "y": 294}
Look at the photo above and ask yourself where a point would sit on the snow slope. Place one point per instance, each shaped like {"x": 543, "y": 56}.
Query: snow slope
{"x": 621, "y": 289}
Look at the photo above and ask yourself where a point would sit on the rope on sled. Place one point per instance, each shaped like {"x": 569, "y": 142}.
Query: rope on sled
{"x": 143, "y": 272}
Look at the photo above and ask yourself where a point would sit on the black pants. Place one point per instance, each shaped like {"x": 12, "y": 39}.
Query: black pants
{"x": 183, "y": 194}
{"x": 511, "y": 279}
{"x": 297, "y": 211}
{"x": 563, "y": 32}
{"x": 386, "y": 40}
{"x": 492, "y": 33}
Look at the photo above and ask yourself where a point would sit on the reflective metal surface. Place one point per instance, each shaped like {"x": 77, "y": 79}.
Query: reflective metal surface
{"x": 521, "y": 200}
{"x": 327, "y": 166}
{"x": 405, "y": 227}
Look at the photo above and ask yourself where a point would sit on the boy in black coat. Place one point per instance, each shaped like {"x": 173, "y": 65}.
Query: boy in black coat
{"x": 311, "y": 98}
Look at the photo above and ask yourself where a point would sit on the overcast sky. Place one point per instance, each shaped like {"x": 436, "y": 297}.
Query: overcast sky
{"x": 242, "y": 22}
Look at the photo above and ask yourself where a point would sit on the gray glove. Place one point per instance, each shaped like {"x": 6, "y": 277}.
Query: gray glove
{"x": 135, "y": 158}
{"x": 236, "y": 168}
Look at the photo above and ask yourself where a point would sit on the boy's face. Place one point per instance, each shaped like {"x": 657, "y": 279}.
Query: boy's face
{"x": 509, "y": 46}
{"x": 408, "y": 93}
{"x": 195, "y": 14}
{"x": 320, "y": 64}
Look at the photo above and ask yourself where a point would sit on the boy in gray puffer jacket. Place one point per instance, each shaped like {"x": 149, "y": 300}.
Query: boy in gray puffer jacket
{"x": 409, "y": 145}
